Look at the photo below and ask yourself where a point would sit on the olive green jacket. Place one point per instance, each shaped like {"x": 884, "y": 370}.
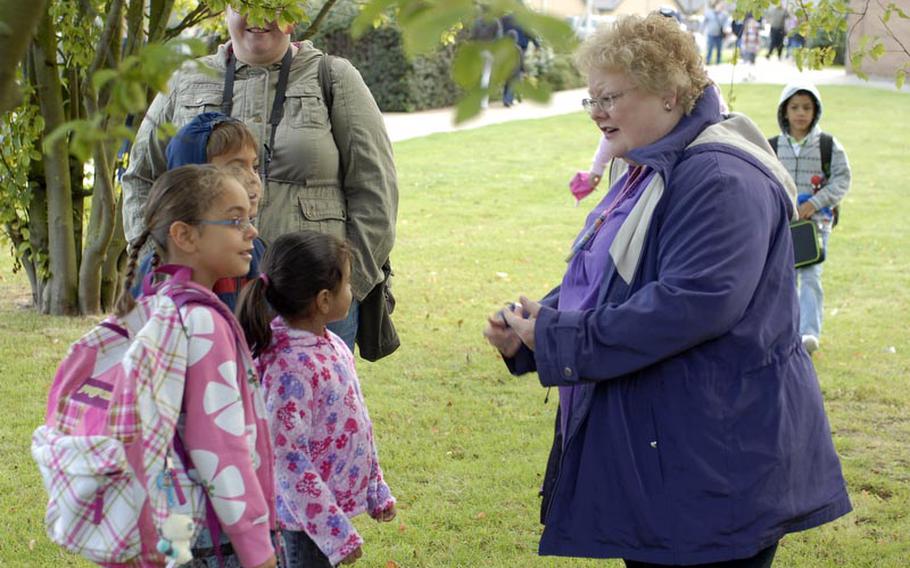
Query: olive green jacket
{"x": 331, "y": 172}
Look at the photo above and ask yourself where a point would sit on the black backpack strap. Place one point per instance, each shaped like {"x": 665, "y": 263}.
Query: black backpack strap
{"x": 773, "y": 142}
{"x": 325, "y": 81}
{"x": 826, "y": 146}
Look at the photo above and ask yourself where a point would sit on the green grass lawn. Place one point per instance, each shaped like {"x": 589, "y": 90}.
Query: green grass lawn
{"x": 485, "y": 214}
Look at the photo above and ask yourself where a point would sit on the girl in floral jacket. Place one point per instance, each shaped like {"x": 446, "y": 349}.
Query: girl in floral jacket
{"x": 326, "y": 466}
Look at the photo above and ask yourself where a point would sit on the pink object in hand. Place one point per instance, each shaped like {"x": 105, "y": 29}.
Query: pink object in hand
{"x": 580, "y": 185}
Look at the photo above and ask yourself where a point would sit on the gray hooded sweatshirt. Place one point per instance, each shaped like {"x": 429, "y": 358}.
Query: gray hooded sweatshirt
{"x": 803, "y": 159}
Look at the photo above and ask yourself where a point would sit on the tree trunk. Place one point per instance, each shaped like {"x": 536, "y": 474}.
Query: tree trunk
{"x": 98, "y": 238}
{"x": 17, "y": 20}
{"x": 101, "y": 222}
{"x": 114, "y": 263}
{"x": 62, "y": 288}
{"x": 37, "y": 225}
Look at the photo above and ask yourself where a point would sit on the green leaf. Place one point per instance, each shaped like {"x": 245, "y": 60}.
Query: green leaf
{"x": 899, "y": 79}
{"x": 505, "y": 60}
{"x": 102, "y": 77}
{"x": 369, "y": 13}
{"x": 556, "y": 32}
{"x": 467, "y": 65}
{"x": 540, "y": 93}
{"x": 877, "y": 51}
{"x": 469, "y": 105}
{"x": 423, "y": 32}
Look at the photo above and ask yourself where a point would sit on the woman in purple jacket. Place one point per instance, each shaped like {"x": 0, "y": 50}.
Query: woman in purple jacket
{"x": 691, "y": 429}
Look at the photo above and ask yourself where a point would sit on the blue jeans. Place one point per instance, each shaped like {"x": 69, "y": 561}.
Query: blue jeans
{"x": 714, "y": 43}
{"x": 811, "y": 294}
{"x": 299, "y": 551}
{"x": 346, "y": 329}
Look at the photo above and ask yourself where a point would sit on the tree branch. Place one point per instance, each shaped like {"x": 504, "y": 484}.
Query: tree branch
{"x": 314, "y": 25}
{"x": 199, "y": 14}
{"x": 17, "y": 20}
{"x": 891, "y": 32}
{"x": 111, "y": 25}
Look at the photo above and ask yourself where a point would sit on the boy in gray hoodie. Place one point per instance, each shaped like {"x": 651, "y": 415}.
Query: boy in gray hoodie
{"x": 799, "y": 150}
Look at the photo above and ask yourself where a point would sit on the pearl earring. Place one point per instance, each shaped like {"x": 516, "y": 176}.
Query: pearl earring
{"x": 667, "y": 107}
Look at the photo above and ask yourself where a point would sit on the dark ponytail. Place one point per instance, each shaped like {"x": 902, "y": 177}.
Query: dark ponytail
{"x": 255, "y": 315}
{"x": 295, "y": 268}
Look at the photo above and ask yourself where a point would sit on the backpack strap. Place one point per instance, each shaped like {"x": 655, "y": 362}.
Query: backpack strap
{"x": 773, "y": 142}
{"x": 325, "y": 81}
{"x": 826, "y": 146}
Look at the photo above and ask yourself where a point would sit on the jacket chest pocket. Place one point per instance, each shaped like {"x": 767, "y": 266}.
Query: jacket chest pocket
{"x": 323, "y": 215}
{"x": 305, "y": 109}
{"x": 192, "y": 104}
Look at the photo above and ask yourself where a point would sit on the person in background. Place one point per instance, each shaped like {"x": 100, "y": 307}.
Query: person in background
{"x": 799, "y": 112}
{"x": 716, "y": 21}
{"x": 751, "y": 39}
{"x": 777, "y": 18}
{"x": 690, "y": 429}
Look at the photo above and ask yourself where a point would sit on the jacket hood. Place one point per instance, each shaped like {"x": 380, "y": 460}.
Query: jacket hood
{"x": 189, "y": 145}
{"x": 790, "y": 90}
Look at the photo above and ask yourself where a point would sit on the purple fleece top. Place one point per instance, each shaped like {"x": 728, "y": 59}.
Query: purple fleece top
{"x": 581, "y": 284}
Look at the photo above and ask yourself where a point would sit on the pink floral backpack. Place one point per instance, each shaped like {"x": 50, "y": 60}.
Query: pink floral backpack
{"x": 107, "y": 451}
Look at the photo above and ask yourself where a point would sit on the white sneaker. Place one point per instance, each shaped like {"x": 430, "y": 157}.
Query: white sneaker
{"x": 810, "y": 344}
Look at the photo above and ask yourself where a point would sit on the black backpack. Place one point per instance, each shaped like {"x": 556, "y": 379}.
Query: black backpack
{"x": 826, "y": 148}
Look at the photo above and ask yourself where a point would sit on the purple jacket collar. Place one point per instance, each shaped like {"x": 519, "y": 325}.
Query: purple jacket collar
{"x": 666, "y": 152}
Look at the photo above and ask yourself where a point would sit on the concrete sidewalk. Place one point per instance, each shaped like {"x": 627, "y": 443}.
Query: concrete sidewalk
{"x": 403, "y": 126}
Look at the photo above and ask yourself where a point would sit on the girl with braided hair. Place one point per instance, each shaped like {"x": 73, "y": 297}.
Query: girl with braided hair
{"x": 198, "y": 219}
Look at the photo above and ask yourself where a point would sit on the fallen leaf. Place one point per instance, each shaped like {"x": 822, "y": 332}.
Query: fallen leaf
{"x": 480, "y": 516}
{"x": 391, "y": 564}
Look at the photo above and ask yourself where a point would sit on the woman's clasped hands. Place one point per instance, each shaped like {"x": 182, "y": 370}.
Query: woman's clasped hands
{"x": 511, "y": 326}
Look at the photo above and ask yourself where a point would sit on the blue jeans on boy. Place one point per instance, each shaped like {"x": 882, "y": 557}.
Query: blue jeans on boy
{"x": 715, "y": 42}
{"x": 346, "y": 329}
{"x": 811, "y": 294}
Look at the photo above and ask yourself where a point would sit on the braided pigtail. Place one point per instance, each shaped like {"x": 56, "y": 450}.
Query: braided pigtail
{"x": 255, "y": 314}
{"x": 126, "y": 302}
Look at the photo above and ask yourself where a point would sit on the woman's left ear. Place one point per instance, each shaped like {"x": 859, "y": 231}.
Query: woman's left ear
{"x": 669, "y": 101}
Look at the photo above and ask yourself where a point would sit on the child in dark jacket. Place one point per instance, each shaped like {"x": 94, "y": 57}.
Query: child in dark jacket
{"x": 217, "y": 139}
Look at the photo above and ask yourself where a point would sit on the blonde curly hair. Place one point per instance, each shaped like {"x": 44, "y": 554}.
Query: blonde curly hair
{"x": 652, "y": 51}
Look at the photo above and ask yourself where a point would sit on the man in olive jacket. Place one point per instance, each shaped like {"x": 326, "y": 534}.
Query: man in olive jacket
{"x": 330, "y": 170}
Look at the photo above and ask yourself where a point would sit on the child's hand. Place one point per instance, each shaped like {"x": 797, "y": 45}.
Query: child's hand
{"x": 387, "y": 515}
{"x": 806, "y": 210}
{"x": 352, "y": 557}
{"x": 594, "y": 180}
{"x": 270, "y": 563}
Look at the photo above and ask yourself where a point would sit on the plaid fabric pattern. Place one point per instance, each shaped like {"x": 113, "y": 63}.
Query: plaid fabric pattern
{"x": 95, "y": 499}
{"x": 107, "y": 440}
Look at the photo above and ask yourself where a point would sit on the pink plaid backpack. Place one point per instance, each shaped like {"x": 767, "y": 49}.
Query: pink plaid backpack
{"x": 107, "y": 452}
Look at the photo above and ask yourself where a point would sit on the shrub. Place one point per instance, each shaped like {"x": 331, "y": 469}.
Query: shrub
{"x": 397, "y": 84}
{"x": 561, "y": 74}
